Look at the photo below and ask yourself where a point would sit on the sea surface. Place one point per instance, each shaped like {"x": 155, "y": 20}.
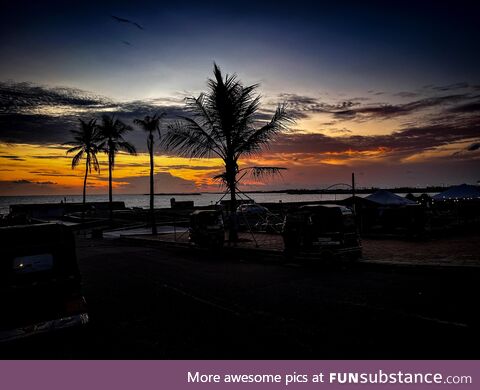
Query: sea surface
{"x": 203, "y": 199}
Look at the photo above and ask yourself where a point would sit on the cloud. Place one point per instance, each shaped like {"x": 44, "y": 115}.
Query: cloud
{"x": 40, "y": 115}
{"x": 164, "y": 182}
{"x": 340, "y": 131}
{"x": 49, "y": 157}
{"x": 194, "y": 167}
{"x": 467, "y": 108}
{"x": 16, "y": 97}
{"x": 23, "y": 181}
{"x": 387, "y": 111}
{"x": 52, "y": 173}
{"x": 302, "y": 106}
{"x": 13, "y": 158}
{"x": 450, "y": 87}
{"x": 406, "y": 94}
{"x": 473, "y": 147}
{"x": 405, "y": 141}
{"x": 29, "y": 187}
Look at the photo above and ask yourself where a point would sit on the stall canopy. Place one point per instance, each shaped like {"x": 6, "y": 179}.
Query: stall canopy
{"x": 463, "y": 191}
{"x": 387, "y": 198}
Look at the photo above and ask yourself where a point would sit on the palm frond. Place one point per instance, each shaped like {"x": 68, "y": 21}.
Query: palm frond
{"x": 188, "y": 139}
{"x": 76, "y": 159}
{"x": 197, "y": 107}
{"x": 259, "y": 173}
{"x": 141, "y": 122}
{"x": 151, "y": 124}
{"x": 128, "y": 147}
{"x": 258, "y": 139}
{"x": 84, "y": 142}
{"x": 74, "y": 149}
{"x": 96, "y": 165}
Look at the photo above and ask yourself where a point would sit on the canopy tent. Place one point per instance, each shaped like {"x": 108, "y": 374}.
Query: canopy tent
{"x": 387, "y": 198}
{"x": 463, "y": 191}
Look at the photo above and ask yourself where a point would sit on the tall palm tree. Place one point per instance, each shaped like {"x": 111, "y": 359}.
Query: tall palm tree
{"x": 151, "y": 124}
{"x": 224, "y": 123}
{"x": 112, "y": 133}
{"x": 86, "y": 145}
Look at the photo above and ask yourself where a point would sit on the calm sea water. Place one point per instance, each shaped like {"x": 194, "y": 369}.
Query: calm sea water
{"x": 204, "y": 199}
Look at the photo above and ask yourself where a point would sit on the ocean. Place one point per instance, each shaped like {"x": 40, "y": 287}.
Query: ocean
{"x": 203, "y": 199}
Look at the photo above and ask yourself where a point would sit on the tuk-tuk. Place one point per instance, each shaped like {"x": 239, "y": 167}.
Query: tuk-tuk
{"x": 39, "y": 281}
{"x": 323, "y": 231}
{"x": 207, "y": 228}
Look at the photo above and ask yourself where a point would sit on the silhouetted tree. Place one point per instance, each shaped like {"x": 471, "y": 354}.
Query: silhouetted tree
{"x": 111, "y": 131}
{"x": 223, "y": 123}
{"x": 85, "y": 144}
{"x": 151, "y": 124}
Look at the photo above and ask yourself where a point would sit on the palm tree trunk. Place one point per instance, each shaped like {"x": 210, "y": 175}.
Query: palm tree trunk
{"x": 85, "y": 186}
{"x": 110, "y": 195}
{"x": 152, "y": 187}
{"x": 233, "y": 226}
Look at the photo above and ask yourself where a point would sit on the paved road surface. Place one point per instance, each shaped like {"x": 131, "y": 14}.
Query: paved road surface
{"x": 165, "y": 303}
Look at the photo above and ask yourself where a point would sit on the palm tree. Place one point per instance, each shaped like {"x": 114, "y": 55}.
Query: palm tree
{"x": 111, "y": 131}
{"x": 223, "y": 124}
{"x": 85, "y": 144}
{"x": 151, "y": 124}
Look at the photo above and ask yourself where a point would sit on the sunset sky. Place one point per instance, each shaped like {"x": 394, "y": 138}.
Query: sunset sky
{"x": 388, "y": 90}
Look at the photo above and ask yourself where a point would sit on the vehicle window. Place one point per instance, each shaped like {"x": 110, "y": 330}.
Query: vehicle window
{"x": 33, "y": 263}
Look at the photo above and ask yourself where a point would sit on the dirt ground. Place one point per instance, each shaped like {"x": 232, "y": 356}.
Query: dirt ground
{"x": 449, "y": 251}
{"x": 444, "y": 251}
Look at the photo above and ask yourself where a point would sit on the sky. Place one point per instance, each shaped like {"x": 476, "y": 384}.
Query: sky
{"x": 388, "y": 90}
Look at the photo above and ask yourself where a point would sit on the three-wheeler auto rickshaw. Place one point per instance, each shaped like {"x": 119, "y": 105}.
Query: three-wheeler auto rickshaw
{"x": 321, "y": 232}
{"x": 40, "y": 288}
{"x": 207, "y": 228}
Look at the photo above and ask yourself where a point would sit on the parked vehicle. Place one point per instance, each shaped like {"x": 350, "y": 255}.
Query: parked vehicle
{"x": 321, "y": 232}
{"x": 207, "y": 228}
{"x": 251, "y": 208}
{"x": 251, "y": 215}
{"x": 40, "y": 287}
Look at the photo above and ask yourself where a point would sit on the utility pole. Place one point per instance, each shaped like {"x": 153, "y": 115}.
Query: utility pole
{"x": 353, "y": 192}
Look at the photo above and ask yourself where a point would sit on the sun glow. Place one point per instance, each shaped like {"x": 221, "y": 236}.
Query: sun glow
{"x": 48, "y": 165}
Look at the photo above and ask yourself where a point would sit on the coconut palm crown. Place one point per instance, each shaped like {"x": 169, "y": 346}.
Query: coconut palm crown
{"x": 85, "y": 144}
{"x": 224, "y": 123}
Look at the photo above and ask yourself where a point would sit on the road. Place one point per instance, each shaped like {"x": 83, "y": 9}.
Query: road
{"x": 147, "y": 302}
